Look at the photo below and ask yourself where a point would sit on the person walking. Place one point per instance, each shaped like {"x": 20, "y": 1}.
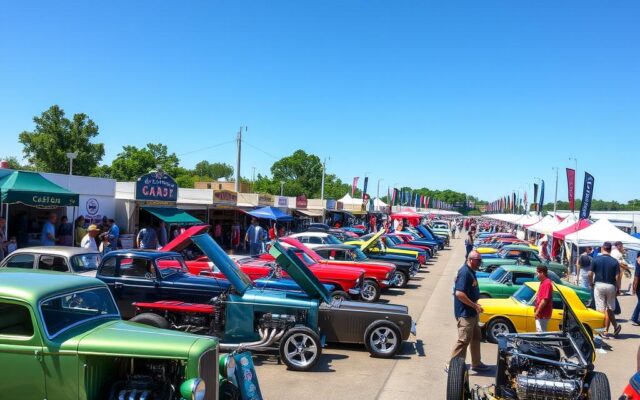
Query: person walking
{"x": 89, "y": 240}
{"x": 544, "y": 299}
{"x": 619, "y": 254}
{"x": 454, "y": 227}
{"x": 583, "y": 266}
{"x": 254, "y": 237}
{"x": 112, "y": 236}
{"x": 604, "y": 276}
{"x": 147, "y": 238}
{"x": 466, "y": 311}
{"x": 65, "y": 232}
{"x": 468, "y": 243}
{"x": 48, "y": 233}
{"x": 635, "y": 317}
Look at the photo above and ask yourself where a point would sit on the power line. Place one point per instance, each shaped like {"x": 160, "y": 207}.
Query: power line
{"x": 259, "y": 149}
{"x": 207, "y": 147}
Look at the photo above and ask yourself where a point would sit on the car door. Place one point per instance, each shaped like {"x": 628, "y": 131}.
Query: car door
{"x": 136, "y": 281}
{"x": 556, "y": 315}
{"x": 20, "y": 352}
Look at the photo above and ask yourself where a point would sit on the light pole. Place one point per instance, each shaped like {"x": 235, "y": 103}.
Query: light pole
{"x": 71, "y": 157}
{"x": 324, "y": 167}
{"x": 281, "y": 188}
{"x": 378, "y": 193}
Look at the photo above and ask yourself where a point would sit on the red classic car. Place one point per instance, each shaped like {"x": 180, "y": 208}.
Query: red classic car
{"x": 377, "y": 275}
{"x": 344, "y": 279}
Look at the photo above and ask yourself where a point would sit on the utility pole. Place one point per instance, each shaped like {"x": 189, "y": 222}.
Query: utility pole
{"x": 239, "y": 144}
{"x": 555, "y": 200}
{"x": 324, "y": 168}
{"x": 281, "y": 188}
{"x": 253, "y": 178}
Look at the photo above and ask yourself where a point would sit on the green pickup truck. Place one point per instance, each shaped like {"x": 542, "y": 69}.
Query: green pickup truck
{"x": 61, "y": 337}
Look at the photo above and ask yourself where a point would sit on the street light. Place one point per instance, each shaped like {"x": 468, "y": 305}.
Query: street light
{"x": 71, "y": 157}
{"x": 324, "y": 167}
{"x": 281, "y": 188}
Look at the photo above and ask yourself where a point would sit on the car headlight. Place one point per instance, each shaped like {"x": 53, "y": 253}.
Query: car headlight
{"x": 227, "y": 366}
{"x": 193, "y": 389}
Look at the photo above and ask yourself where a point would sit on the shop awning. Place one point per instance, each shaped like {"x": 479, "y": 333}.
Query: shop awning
{"x": 271, "y": 213}
{"x": 34, "y": 190}
{"x": 311, "y": 213}
{"x": 172, "y": 215}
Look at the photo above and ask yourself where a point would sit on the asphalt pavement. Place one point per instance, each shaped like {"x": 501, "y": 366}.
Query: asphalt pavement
{"x": 348, "y": 372}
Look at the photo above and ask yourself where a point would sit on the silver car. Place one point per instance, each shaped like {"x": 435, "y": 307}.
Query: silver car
{"x": 75, "y": 260}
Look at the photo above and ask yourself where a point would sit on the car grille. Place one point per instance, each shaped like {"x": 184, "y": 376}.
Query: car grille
{"x": 208, "y": 369}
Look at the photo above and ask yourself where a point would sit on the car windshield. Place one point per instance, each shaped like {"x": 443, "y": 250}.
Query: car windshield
{"x": 85, "y": 262}
{"x": 497, "y": 275}
{"x": 395, "y": 240}
{"x": 305, "y": 258}
{"x": 65, "y": 311}
{"x": 524, "y": 294}
{"x": 332, "y": 240}
{"x": 171, "y": 265}
{"x": 359, "y": 255}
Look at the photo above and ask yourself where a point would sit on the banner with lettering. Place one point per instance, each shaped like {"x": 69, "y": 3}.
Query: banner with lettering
{"x": 587, "y": 196}
{"x": 364, "y": 190}
{"x": 541, "y": 203}
{"x": 354, "y": 185}
{"x": 571, "y": 188}
{"x": 156, "y": 186}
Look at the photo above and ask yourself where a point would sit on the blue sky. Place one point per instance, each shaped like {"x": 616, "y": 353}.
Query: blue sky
{"x": 476, "y": 96}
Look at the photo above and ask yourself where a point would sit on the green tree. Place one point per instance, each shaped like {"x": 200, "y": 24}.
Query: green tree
{"x": 55, "y": 135}
{"x": 301, "y": 172}
{"x": 14, "y": 163}
{"x": 133, "y": 162}
{"x": 214, "y": 170}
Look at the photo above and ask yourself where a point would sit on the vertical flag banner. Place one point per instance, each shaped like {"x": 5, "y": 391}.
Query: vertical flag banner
{"x": 541, "y": 197}
{"x": 587, "y": 196}
{"x": 364, "y": 190}
{"x": 571, "y": 188}
{"x": 428, "y": 201}
{"x": 535, "y": 196}
{"x": 394, "y": 196}
{"x": 354, "y": 186}
{"x": 525, "y": 203}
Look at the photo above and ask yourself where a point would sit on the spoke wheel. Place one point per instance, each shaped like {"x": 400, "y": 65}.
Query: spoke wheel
{"x": 300, "y": 349}
{"x": 383, "y": 339}
{"x": 401, "y": 279}
{"x": 370, "y": 291}
{"x": 498, "y": 327}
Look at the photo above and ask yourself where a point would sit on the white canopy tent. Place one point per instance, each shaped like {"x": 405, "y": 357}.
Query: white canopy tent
{"x": 602, "y": 231}
{"x": 348, "y": 200}
{"x": 546, "y": 225}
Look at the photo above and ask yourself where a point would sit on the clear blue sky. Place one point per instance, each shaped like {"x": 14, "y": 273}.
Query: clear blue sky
{"x": 476, "y": 96}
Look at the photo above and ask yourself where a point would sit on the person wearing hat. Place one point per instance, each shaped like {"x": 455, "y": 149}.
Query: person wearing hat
{"x": 89, "y": 240}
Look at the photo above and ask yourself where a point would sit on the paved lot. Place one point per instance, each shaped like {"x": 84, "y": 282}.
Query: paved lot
{"x": 348, "y": 372}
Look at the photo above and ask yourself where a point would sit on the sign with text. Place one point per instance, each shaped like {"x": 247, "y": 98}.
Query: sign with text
{"x": 265, "y": 199}
{"x": 571, "y": 188}
{"x": 282, "y": 201}
{"x": 226, "y": 197}
{"x": 331, "y": 204}
{"x": 587, "y": 195}
{"x": 301, "y": 201}
{"x": 156, "y": 186}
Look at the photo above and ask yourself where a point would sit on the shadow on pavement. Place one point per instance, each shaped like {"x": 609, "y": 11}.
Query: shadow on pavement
{"x": 323, "y": 365}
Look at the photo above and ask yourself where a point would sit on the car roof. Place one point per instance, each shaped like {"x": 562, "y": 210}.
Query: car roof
{"x": 152, "y": 254}
{"x": 518, "y": 247}
{"x": 335, "y": 247}
{"x": 33, "y": 285}
{"x": 65, "y": 251}
{"x": 308, "y": 233}
{"x": 518, "y": 268}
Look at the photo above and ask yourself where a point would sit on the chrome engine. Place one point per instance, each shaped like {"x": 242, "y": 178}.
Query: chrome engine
{"x": 545, "y": 385}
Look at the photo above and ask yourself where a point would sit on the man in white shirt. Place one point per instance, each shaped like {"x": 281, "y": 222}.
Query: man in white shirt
{"x": 89, "y": 240}
{"x": 618, "y": 253}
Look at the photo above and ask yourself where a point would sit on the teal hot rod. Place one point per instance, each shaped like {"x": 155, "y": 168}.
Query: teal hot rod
{"x": 61, "y": 337}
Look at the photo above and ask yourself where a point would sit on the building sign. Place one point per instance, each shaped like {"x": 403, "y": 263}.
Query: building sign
{"x": 156, "y": 186}
{"x": 281, "y": 201}
{"x": 331, "y": 204}
{"x": 226, "y": 197}
{"x": 93, "y": 206}
{"x": 265, "y": 199}
{"x": 301, "y": 201}
{"x": 339, "y": 206}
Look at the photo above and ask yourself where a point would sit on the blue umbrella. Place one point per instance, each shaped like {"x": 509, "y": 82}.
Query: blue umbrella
{"x": 271, "y": 213}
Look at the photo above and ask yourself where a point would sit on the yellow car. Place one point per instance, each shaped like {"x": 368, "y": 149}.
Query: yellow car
{"x": 493, "y": 250}
{"x": 515, "y": 314}
{"x": 374, "y": 245}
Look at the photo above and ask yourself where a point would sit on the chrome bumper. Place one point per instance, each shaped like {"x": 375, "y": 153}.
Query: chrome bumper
{"x": 354, "y": 291}
{"x": 414, "y": 331}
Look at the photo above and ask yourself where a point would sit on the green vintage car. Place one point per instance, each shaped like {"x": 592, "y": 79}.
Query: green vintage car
{"x": 506, "y": 280}
{"x": 518, "y": 254}
{"x": 61, "y": 337}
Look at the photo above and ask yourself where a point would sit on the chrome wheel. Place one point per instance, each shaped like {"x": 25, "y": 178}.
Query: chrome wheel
{"x": 300, "y": 350}
{"x": 383, "y": 339}
{"x": 401, "y": 280}
{"x": 369, "y": 291}
{"x": 497, "y": 328}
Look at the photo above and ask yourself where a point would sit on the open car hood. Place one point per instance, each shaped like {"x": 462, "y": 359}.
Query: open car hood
{"x": 198, "y": 236}
{"x": 573, "y": 328}
{"x": 299, "y": 272}
{"x": 372, "y": 241}
{"x": 301, "y": 246}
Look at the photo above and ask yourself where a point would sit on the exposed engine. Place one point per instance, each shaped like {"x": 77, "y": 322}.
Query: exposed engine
{"x": 146, "y": 380}
{"x": 536, "y": 371}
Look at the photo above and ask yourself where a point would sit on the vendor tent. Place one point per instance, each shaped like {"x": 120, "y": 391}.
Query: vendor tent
{"x": 406, "y": 214}
{"x": 172, "y": 215}
{"x": 574, "y": 227}
{"x": 34, "y": 190}
{"x": 271, "y": 213}
{"x": 602, "y": 231}
{"x": 348, "y": 200}
{"x": 546, "y": 225}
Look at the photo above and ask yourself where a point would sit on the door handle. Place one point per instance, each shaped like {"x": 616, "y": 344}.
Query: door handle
{"x": 37, "y": 354}
{"x": 118, "y": 285}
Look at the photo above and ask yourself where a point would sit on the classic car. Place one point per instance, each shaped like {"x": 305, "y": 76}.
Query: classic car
{"x": 547, "y": 365}
{"x": 61, "y": 337}
{"x": 372, "y": 243}
{"x": 441, "y": 229}
{"x": 518, "y": 254}
{"x": 407, "y": 239}
{"x": 55, "y": 258}
{"x": 293, "y": 325}
{"x": 504, "y": 281}
{"x": 397, "y": 241}
{"x": 313, "y": 239}
{"x": 425, "y": 233}
{"x": 405, "y": 268}
{"x": 378, "y": 276}
{"x": 516, "y": 314}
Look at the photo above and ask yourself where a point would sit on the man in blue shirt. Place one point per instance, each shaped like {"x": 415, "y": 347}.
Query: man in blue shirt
{"x": 467, "y": 310}
{"x": 604, "y": 277}
{"x": 112, "y": 235}
{"x": 255, "y": 236}
{"x": 48, "y": 234}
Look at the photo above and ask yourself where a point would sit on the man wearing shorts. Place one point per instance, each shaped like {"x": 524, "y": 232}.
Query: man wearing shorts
{"x": 604, "y": 276}
{"x": 544, "y": 299}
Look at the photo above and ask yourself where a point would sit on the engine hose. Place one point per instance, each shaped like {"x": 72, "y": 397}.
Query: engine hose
{"x": 237, "y": 346}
